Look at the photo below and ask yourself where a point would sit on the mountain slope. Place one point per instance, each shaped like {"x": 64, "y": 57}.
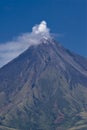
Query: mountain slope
{"x": 45, "y": 88}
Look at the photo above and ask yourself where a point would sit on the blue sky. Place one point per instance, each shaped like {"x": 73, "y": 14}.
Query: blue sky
{"x": 65, "y": 17}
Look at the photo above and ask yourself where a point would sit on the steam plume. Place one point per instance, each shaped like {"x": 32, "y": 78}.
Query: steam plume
{"x": 12, "y": 49}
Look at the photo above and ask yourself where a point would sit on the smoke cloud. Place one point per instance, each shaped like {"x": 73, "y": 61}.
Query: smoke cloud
{"x": 12, "y": 49}
{"x": 41, "y": 29}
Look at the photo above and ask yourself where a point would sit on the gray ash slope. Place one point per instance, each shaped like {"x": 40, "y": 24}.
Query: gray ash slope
{"x": 45, "y": 88}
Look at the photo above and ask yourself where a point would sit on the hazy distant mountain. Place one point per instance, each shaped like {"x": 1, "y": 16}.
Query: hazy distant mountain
{"x": 45, "y": 88}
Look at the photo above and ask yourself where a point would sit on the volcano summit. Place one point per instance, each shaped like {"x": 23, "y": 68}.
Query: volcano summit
{"x": 44, "y": 88}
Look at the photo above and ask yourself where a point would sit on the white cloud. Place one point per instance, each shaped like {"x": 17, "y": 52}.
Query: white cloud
{"x": 12, "y": 49}
{"x": 41, "y": 29}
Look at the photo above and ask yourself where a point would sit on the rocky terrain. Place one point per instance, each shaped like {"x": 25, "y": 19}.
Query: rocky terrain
{"x": 45, "y": 88}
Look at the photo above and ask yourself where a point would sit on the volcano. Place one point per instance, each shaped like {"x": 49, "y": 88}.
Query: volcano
{"x": 44, "y": 88}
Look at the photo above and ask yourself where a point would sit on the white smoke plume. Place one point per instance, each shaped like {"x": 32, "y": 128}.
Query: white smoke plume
{"x": 12, "y": 49}
{"x": 41, "y": 29}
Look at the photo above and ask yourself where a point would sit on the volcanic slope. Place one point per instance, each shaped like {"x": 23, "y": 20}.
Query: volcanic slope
{"x": 45, "y": 88}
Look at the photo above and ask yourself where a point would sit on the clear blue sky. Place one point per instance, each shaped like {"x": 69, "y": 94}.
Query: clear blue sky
{"x": 65, "y": 17}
